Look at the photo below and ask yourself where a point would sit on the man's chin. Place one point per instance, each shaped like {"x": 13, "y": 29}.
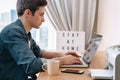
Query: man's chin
{"x": 37, "y": 27}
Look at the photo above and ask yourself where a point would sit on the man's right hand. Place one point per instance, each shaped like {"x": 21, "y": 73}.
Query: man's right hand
{"x": 69, "y": 59}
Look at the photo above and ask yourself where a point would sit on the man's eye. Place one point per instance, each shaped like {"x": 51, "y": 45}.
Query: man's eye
{"x": 41, "y": 14}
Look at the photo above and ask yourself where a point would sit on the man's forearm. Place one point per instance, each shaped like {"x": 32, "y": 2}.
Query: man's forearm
{"x": 48, "y": 55}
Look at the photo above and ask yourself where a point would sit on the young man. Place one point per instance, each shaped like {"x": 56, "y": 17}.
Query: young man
{"x": 19, "y": 54}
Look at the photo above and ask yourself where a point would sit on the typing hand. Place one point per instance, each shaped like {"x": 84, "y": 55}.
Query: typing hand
{"x": 72, "y": 53}
{"x": 69, "y": 59}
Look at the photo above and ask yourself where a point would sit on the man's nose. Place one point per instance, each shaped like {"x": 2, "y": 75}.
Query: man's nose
{"x": 42, "y": 20}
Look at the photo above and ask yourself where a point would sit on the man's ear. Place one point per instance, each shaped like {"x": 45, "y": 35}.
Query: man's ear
{"x": 28, "y": 12}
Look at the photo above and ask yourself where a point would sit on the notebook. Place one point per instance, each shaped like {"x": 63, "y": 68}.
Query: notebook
{"x": 101, "y": 74}
{"x": 89, "y": 53}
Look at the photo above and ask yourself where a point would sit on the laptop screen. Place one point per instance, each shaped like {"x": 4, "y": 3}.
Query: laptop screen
{"x": 92, "y": 48}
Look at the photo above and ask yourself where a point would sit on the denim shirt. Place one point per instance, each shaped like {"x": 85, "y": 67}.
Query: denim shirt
{"x": 17, "y": 59}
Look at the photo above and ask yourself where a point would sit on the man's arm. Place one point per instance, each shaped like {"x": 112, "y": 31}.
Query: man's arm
{"x": 64, "y": 58}
{"x": 49, "y": 55}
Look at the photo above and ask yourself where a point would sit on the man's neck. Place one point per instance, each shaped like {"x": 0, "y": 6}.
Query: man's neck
{"x": 25, "y": 24}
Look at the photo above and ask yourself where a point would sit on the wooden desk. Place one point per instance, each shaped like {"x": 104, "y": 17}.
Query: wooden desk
{"x": 97, "y": 63}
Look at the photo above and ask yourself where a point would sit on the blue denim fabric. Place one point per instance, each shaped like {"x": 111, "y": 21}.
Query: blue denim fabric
{"x": 17, "y": 60}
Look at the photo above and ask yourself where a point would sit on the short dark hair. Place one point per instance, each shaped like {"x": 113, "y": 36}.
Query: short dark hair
{"x": 32, "y": 5}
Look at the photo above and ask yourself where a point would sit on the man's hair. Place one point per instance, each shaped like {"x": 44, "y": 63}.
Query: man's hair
{"x": 32, "y": 5}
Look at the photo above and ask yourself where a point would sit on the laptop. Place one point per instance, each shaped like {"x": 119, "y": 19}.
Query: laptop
{"x": 89, "y": 53}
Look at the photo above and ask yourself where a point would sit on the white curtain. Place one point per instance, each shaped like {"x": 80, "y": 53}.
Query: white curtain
{"x": 72, "y": 15}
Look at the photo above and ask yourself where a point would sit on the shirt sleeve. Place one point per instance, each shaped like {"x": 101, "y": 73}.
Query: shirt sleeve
{"x": 17, "y": 45}
{"x": 37, "y": 51}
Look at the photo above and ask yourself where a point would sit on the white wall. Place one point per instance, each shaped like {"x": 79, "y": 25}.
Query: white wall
{"x": 108, "y": 23}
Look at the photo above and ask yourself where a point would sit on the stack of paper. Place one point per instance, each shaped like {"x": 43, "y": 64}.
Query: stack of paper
{"x": 101, "y": 74}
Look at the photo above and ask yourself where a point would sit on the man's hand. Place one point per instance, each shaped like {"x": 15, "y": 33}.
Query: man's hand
{"x": 69, "y": 59}
{"x": 71, "y": 53}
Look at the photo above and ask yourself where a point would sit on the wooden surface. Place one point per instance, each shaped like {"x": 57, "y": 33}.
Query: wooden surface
{"x": 97, "y": 63}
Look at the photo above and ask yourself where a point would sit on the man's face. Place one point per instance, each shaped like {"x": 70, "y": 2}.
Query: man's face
{"x": 38, "y": 17}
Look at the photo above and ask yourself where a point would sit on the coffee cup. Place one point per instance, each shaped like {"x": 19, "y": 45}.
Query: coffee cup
{"x": 52, "y": 67}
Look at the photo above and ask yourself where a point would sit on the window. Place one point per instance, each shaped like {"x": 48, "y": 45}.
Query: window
{"x": 44, "y": 36}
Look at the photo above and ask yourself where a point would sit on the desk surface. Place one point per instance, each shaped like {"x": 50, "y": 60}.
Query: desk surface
{"x": 98, "y": 62}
